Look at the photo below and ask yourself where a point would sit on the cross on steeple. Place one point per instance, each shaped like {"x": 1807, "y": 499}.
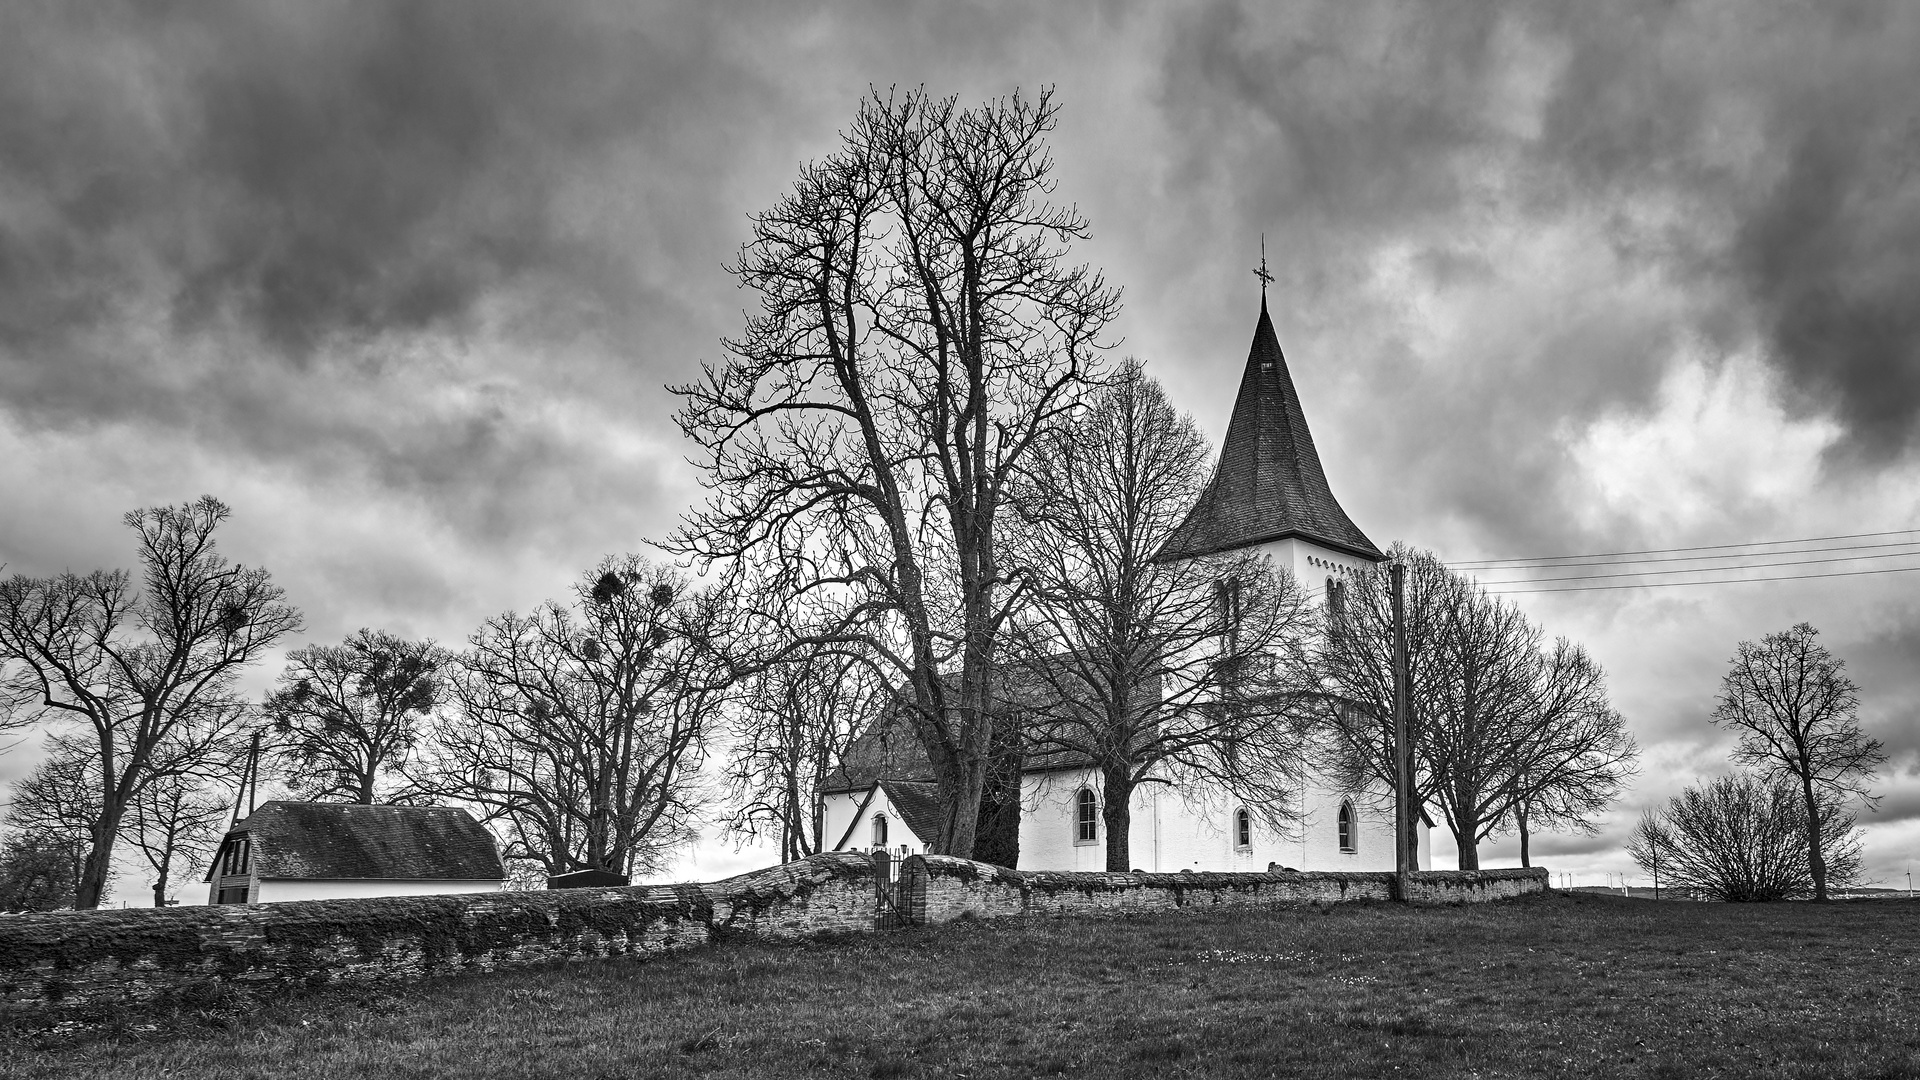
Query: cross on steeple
{"x": 1261, "y": 273}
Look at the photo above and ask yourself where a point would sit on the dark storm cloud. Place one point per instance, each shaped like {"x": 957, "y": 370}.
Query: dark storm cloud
{"x": 359, "y": 236}
{"x": 310, "y": 170}
{"x": 1831, "y": 259}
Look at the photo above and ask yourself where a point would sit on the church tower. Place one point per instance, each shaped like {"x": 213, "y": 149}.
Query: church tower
{"x": 1269, "y": 492}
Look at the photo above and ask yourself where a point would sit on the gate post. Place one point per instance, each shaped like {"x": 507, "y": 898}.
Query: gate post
{"x": 885, "y": 917}
{"x": 911, "y": 891}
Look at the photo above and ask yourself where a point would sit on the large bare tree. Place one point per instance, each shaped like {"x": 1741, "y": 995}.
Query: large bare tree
{"x": 1183, "y": 671}
{"x": 919, "y": 328}
{"x": 1797, "y": 715}
{"x": 147, "y": 672}
{"x": 580, "y": 729}
{"x": 1744, "y": 838}
{"x": 346, "y": 717}
{"x": 1504, "y": 732}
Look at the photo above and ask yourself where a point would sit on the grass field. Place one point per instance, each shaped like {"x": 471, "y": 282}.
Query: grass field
{"x": 1566, "y": 985}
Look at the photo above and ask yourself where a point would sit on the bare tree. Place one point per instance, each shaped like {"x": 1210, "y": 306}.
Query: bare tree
{"x": 50, "y": 817}
{"x": 150, "y": 672}
{"x": 176, "y": 823}
{"x": 580, "y": 729}
{"x": 793, "y": 724}
{"x": 1503, "y": 733}
{"x": 1156, "y": 672}
{"x": 1570, "y": 768}
{"x": 1743, "y": 838}
{"x": 1355, "y": 667}
{"x": 347, "y": 716}
{"x": 919, "y": 328}
{"x": 1797, "y": 714}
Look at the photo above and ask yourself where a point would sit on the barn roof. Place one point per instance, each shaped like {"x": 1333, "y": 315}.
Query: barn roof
{"x": 347, "y": 840}
{"x": 1269, "y": 484}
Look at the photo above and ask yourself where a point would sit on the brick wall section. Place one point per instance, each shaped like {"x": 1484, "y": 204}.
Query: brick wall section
{"x": 100, "y": 959}
{"x": 79, "y": 960}
{"x": 946, "y": 888}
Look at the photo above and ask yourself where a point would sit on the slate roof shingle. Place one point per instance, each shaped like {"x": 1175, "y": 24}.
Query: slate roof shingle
{"x": 1269, "y": 484}
{"x": 919, "y": 804}
{"x": 349, "y": 840}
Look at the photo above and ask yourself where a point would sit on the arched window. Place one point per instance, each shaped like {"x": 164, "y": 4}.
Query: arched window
{"x": 1086, "y": 817}
{"x": 879, "y": 830}
{"x": 1242, "y": 829}
{"x": 1346, "y": 826}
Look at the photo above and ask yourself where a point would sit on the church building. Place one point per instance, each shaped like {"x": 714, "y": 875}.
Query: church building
{"x": 1269, "y": 495}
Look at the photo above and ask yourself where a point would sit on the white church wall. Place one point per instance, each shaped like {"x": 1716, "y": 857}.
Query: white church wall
{"x": 1170, "y": 831}
{"x": 841, "y": 808}
{"x": 1311, "y": 564}
{"x": 1173, "y": 831}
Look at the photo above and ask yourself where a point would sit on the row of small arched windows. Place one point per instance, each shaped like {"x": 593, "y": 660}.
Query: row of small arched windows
{"x": 1086, "y": 823}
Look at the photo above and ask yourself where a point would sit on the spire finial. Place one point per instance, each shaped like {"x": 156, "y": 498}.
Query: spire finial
{"x": 1261, "y": 273}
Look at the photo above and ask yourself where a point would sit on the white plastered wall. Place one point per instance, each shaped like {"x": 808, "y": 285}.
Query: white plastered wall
{"x": 1174, "y": 830}
{"x": 280, "y": 890}
{"x": 841, "y": 807}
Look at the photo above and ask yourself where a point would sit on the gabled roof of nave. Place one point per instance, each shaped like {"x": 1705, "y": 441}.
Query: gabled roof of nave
{"x": 1269, "y": 484}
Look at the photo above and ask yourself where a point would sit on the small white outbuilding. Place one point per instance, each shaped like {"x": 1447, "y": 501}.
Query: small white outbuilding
{"x": 324, "y": 851}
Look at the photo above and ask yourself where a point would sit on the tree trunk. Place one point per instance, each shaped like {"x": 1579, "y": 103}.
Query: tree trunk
{"x": 1520, "y": 815}
{"x": 93, "y": 874}
{"x": 1816, "y": 860}
{"x": 1469, "y": 847}
{"x": 1116, "y": 790}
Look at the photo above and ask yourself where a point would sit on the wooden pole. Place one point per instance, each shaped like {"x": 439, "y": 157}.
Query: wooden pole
{"x": 1402, "y": 751}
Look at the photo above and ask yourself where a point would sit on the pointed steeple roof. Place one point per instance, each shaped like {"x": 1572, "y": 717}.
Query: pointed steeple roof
{"x": 1269, "y": 484}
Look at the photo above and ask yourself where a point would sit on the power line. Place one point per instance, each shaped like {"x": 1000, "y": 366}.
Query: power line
{"x": 1488, "y": 564}
{"x": 1685, "y": 558}
{"x": 1704, "y": 569}
{"x": 1721, "y": 581}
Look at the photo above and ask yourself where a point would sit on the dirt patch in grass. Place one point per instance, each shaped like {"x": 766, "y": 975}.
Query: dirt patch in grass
{"x": 1571, "y": 986}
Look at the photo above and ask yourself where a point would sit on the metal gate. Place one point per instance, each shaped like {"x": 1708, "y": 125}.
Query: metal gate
{"x": 899, "y": 886}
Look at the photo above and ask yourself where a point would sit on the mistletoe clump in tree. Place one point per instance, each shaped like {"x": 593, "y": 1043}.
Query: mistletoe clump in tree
{"x": 346, "y": 717}
{"x": 579, "y": 729}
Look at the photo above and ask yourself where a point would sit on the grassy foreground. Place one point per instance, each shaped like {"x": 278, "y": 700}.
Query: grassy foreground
{"x": 1566, "y": 985}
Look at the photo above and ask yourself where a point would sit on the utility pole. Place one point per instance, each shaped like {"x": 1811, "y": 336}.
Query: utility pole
{"x": 1402, "y": 752}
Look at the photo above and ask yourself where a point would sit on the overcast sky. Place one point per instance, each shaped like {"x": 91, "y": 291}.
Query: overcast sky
{"x": 403, "y": 284}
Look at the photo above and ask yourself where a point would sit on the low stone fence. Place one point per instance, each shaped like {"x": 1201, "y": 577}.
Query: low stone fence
{"x": 939, "y": 889}
{"x": 77, "y": 960}
{"x": 99, "y": 959}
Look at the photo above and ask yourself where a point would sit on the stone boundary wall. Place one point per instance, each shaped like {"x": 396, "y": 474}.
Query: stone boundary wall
{"x": 942, "y": 889}
{"x": 96, "y": 960}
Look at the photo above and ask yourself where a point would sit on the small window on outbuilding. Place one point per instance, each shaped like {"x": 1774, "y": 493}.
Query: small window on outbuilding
{"x": 1243, "y": 829}
{"x": 1346, "y": 826}
{"x": 879, "y": 830}
{"x": 1086, "y": 817}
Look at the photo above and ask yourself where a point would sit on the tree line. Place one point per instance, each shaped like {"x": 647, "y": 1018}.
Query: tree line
{"x": 577, "y": 731}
